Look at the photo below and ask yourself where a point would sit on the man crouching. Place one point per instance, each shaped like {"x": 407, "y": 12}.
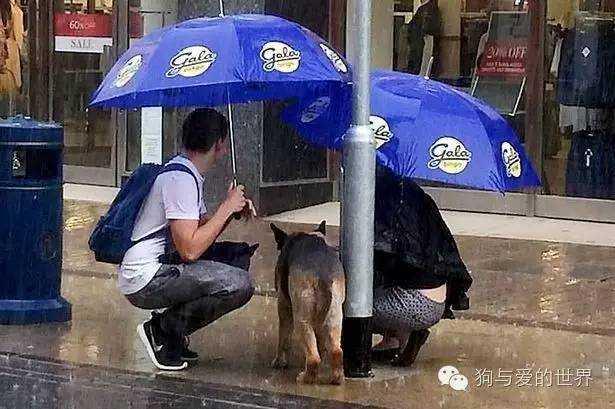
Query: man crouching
{"x": 193, "y": 292}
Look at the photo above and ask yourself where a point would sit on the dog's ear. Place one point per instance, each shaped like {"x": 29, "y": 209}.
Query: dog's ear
{"x": 280, "y": 236}
{"x": 322, "y": 228}
{"x": 253, "y": 249}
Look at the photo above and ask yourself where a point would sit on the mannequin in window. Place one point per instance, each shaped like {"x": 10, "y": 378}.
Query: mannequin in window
{"x": 482, "y": 44}
{"x": 10, "y": 48}
{"x": 422, "y": 32}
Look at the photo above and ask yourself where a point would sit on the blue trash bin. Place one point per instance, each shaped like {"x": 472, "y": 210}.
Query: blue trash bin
{"x": 31, "y": 222}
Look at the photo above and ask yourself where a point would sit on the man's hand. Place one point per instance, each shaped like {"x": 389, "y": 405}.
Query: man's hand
{"x": 249, "y": 211}
{"x": 235, "y": 201}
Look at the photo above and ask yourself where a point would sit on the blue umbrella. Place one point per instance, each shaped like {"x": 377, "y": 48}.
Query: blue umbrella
{"x": 223, "y": 60}
{"x": 425, "y": 130}
{"x": 215, "y": 61}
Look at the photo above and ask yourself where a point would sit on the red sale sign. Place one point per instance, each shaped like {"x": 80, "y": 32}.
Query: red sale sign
{"x": 90, "y": 33}
{"x": 93, "y": 25}
{"x": 82, "y": 25}
{"x": 504, "y": 58}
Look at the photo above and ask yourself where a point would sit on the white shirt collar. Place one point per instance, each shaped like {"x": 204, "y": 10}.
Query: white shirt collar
{"x": 185, "y": 161}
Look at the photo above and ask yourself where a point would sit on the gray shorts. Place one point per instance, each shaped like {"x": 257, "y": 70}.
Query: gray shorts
{"x": 195, "y": 294}
{"x": 397, "y": 309}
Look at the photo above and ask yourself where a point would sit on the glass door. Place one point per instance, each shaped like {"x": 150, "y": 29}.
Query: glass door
{"x": 145, "y": 135}
{"x": 83, "y": 52}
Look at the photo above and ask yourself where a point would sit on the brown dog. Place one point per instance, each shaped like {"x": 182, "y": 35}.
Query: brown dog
{"x": 311, "y": 291}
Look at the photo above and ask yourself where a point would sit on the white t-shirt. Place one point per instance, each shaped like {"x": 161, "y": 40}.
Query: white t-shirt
{"x": 174, "y": 196}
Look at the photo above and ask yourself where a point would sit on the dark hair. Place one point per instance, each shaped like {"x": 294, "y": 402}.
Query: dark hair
{"x": 203, "y": 128}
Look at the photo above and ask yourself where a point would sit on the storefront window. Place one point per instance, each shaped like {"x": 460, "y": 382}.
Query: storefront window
{"x": 579, "y": 141}
{"x": 457, "y": 42}
{"x": 83, "y": 45}
{"x": 446, "y": 41}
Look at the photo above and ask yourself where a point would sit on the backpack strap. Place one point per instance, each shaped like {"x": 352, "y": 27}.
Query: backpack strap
{"x": 179, "y": 167}
{"x": 174, "y": 167}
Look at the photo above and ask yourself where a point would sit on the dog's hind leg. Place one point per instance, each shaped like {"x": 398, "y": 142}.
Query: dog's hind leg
{"x": 304, "y": 301}
{"x": 285, "y": 315}
{"x": 332, "y": 332}
{"x": 312, "y": 358}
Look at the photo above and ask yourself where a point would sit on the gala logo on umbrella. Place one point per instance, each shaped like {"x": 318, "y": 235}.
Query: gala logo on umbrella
{"x": 512, "y": 160}
{"x": 449, "y": 155}
{"x": 381, "y": 129}
{"x": 337, "y": 61}
{"x": 128, "y": 71}
{"x": 281, "y": 57}
{"x": 191, "y": 62}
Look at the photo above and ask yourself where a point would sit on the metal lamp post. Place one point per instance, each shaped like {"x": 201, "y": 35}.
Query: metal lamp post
{"x": 359, "y": 168}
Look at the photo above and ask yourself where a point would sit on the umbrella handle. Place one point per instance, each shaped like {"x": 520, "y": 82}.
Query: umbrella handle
{"x": 221, "y": 8}
{"x": 236, "y": 216}
{"x": 232, "y": 141}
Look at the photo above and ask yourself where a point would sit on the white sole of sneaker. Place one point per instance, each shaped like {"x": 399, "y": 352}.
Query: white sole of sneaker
{"x": 152, "y": 355}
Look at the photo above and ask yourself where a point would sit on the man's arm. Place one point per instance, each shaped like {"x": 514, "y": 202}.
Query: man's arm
{"x": 204, "y": 219}
{"x": 192, "y": 239}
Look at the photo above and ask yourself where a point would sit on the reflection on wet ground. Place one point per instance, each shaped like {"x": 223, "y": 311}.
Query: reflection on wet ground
{"x": 554, "y": 285}
{"x": 537, "y": 308}
{"x": 43, "y": 384}
{"x": 236, "y": 351}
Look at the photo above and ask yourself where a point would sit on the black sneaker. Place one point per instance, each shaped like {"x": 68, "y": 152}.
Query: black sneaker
{"x": 156, "y": 329}
{"x": 187, "y": 354}
{"x": 159, "y": 354}
{"x": 160, "y": 339}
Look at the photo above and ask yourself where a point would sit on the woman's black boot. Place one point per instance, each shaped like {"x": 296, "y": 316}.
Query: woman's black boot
{"x": 415, "y": 341}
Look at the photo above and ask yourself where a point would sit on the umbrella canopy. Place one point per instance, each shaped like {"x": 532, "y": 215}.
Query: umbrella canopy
{"x": 215, "y": 61}
{"x": 426, "y": 130}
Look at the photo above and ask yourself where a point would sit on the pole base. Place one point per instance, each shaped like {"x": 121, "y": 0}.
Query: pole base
{"x": 357, "y": 347}
{"x": 26, "y": 312}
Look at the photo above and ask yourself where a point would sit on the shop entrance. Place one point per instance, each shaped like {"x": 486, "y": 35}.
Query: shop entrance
{"x": 561, "y": 100}
{"x": 144, "y": 135}
{"x": 102, "y": 146}
{"x": 83, "y": 51}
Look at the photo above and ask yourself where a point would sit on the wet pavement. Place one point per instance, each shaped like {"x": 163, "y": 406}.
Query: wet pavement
{"x": 237, "y": 349}
{"x": 43, "y": 384}
{"x": 541, "y": 330}
{"x": 532, "y": 283}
